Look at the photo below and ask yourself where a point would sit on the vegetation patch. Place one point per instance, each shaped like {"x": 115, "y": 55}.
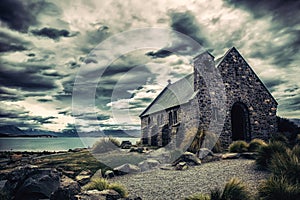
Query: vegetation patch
{"x": 238, "y": 147}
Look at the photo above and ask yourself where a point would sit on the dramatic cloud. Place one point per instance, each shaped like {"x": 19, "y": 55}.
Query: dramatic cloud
{"x": 45, "y": 43}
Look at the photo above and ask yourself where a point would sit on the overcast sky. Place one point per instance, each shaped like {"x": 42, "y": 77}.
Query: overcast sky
{"x": 44, "y": 44}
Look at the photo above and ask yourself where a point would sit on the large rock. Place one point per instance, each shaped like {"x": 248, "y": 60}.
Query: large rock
{"x": 188, "y": 157}
{"x": 67, "y": 189}
{"x": 109, "y": 174}
{"x": 97, "y": 174}
{"x": 126, "y": 169}
{"x": 31, "y": 183}
{"x": 98, "y": 195}
{"x": 126, "y": 144}
{"x": 203, "y": 152}
{"x": 83, "y": 177}
{"x": 181, "y": 166}
{"x": 148, "y": 164}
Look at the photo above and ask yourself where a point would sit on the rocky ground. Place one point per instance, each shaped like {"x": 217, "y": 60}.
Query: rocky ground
{"x": 170, "y": 184}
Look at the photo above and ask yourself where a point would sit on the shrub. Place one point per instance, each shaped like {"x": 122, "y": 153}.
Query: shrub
{"x": 286, "y": 165}
{"x": 234, "y": 190}
{"x": 105, "y": 145}
{"x": 296, "y": 151}
{"x": 279, "y": 137}
{"x": 255, "y": 144}
{"x": 278, "y": 188}
{"x": 265, "y": 154}
{"x": 102, "y": 184}
{"x": 197, "y": 141}
{"x": 119, "y": 189}
{"x": 198, "y": 197}
{"x": 211, "y": 141}
{"x": 238, "y": 146}
{"x": 97, "y": 184}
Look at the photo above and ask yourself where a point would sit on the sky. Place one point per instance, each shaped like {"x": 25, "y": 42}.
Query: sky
{"x": 45, "y": 46}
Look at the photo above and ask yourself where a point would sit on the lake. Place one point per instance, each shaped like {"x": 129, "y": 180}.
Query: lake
{"x": 51, "y": 144}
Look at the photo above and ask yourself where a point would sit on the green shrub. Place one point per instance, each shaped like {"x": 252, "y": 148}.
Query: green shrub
{"x": 105, "y": 145}
{"x": 255, "y": 144}
{"x": 279, "y": 137}
{"x": 265, "y": 153}
{"x": 197, "y": 141}
{"x": 278, "y": 188}
{"x": 211, "y": 141}
{"x": 102, "y": 184}
{"x": 296, "y": 151}
{"x": 119, "y": 189}
{"x": 238, "y": 146}
{"x": 286, "y": 164}
{"x": 97, "y": 184}
{"x": 198, "y": 197}
{"x": 235, "y": 190}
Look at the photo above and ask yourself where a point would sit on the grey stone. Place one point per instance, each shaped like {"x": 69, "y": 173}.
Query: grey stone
{"x": 148, "y": 164}
{"x": 181, "y": 166}
{"x": 203, "y": 152}
{"x": 126, "y": 169}
{"x": 249, "y": 155}
{"x": 67, "y": 189}
{"x": 98, "y": 195}
{"x": 189, "y": 158}
{"x": 109, "y": 174}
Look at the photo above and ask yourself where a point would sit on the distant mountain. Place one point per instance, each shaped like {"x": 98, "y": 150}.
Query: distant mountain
{"x": 296, "y": 121}
{"x": 14, "y": 131}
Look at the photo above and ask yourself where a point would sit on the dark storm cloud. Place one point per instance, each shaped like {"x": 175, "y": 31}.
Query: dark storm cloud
{"x": 159, "y": 54}
{"x": 186, "y": 23}
{"x": 284, "y": 11}
{"x": 51, "y": 33}
{"x": 41, "y": 120}
{"x": 27, "y": 78}
{"x": 273, "y": 83}
{"x": 11, "y": 43}
{"x": 20, "y": 15}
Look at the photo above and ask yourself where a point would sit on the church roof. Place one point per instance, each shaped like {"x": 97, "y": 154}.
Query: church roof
{"x": 172, "y": 95}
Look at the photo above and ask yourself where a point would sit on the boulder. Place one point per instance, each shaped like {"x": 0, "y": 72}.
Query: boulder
{"x": 138, "y": 149}
{"x": 109, "y": 174}
{"x": 126, "y": 144}
{"x": 67, "y": 189}
{"x": 181, "y": 166}
{"x": 83, "y": 177}
{"x": 97, "y": 174}
{"x": 231, "y": 156}
{"x": 148, "y": 164}
{"x": 32, "y": 183}
{"x": 188, "y": 157}
{"x": 203, "y": 152}
{"x": 98, "y": 195}
{"x": 126, "y": 169}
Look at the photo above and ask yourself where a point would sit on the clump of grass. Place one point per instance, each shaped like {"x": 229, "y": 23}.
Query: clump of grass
{"x": 197, "y": 141}
{"x": 279, "y": 137}
{"x": 97, "y": 184}
{"x": 238, "y": 146}
{"x": 119, "y": 189}
{"x": 105, "y": 145}
{"x": 278, "y": 188}
{"x": 233, "y": 190}
{"x": 265, "y": 154}
{"x": 296, "y": 151}
{"x": 198, "y": 196}
{"x": 286, "y": 165}
{"x": 102, "y": 184}
{"x": 211, "y": 141}
{"x": 255, "y": 144}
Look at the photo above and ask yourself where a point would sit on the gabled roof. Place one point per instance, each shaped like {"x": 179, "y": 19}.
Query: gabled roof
{"x": 172, "y": 95}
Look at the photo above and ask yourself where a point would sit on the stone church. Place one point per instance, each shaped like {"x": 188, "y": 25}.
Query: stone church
{"x": 250, "y": 109}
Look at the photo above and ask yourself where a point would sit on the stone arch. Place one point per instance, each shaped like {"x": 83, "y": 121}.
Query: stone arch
{"x": 240, "y": 122}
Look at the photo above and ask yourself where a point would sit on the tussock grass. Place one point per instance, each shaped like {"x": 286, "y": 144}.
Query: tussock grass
{"x": 106, "y": 145}
{"x": 102, "y": 184}
{"x": 255, "y": 144}
{"x": 278, "y": 188}
{"x": 238, "y": 147}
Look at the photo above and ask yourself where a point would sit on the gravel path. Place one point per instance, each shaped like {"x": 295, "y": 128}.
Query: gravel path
{"x": 164, "y": 184}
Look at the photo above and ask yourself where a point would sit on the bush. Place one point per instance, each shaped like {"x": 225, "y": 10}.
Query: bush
{"x": 279, "y": 137}
{"x": 119, "y": 189}
{"x": 102, "y": 184}
{"x": 105, "y": 145}
{"x": 234, "y": 190}
{"x": 286, "y": 165}
{"x": 198, "y": 197}
{"x": 296, "y": 151}
{"x": 265, "y": 153}
{"x": 278, "y": 188}
{"x": 255, "y": 144}
{"x": 97, "y": 184}
{"x": 238, "y": 146}
{"x": 211, "y": 141}
{"x": 197, "y": 141}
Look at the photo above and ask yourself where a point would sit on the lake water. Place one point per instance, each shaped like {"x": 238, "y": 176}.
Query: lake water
{"x": 50, "y": 144}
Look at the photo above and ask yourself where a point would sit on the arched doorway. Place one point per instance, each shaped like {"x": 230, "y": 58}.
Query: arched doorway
{"x": 240, "y": 122}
